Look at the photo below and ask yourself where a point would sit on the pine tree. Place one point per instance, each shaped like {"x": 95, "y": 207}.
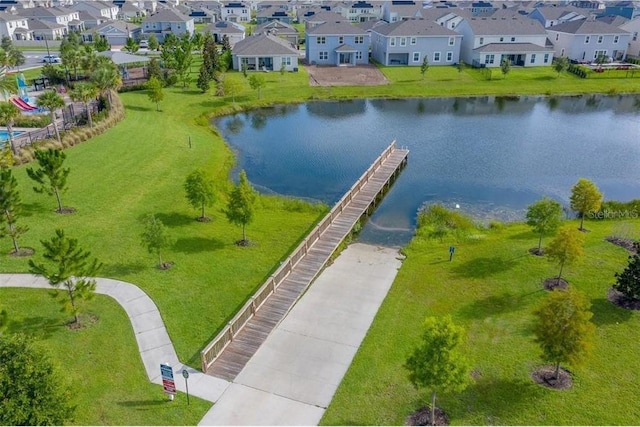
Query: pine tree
{"x": 628, "y": 282}
{"x": 10, "y": 206}
{"x": 51, "y": 176}
{"x": 204, "y": 79}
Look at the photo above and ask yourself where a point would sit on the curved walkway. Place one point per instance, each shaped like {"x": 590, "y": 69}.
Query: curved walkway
{"x": 153, "y": 340}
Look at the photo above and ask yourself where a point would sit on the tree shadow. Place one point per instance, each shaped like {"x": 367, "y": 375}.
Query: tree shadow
{"x": 606, "y": 313}
{"x": 191, "y": 245}
{"x": 134, "y": 403}
{"x": 494, "y": 305}
{"x": 175, "y": 219}
{"x": 29, "y": 209}
{"x": 37, "y": 326}
{"x": 139, "y": 108}
{"x": 121, "y": 269}
{"x": 525, "y": 235}
{"x": 483, "y": 267}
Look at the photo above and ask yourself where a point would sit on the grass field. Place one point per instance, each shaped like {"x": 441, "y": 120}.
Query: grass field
{"x": 491, "y": 288}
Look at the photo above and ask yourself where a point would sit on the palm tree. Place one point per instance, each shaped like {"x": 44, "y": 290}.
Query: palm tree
{"x": 106, "y": 78}
{"x": 85, "y": 92}
{"x": 72, "y": 58}
{"x": 8, "y": 113}
{"x": 89, "y": 59}
{"x": 52, "y": 101}
{"x": 8, "y": 84}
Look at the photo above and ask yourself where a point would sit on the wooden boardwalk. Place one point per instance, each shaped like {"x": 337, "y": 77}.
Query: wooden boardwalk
{"x": 227, "y": 355}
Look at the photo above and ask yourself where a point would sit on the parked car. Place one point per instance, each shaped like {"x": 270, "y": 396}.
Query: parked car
{"x": 51, "y": 59}
{"x": 144, "y": 44}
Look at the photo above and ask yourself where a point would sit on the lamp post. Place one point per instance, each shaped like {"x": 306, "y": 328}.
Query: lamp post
{"x": 47, "y": 44}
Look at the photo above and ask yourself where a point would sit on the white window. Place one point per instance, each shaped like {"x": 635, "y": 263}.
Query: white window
{"x": 359, "y": 39}
{"x": 597, "y": 53}
{"x": 321, "y": 40}
{"x": 488, "y": 59}
{"x": 635, "y": 36}
{"x": 245, "y": 61}
{"x": 323, "y": 56}
{"x": 481, "y": 40}
{"x": 452, "y": 41}
{"x": 392, "y": 41}
{"x": 416, "y": 56}
{"x": 587, "y": 39}
{"x": 286, "y": 60}
{"x": 340, "y": 40}
{"x": 616, "y": 38}
{"x": 562, "y": 52}
{"x": 600, "y": 39}
{"x": 436, "y": 56}
{"x": 449, "y": 56}
{"x": 403, "y": 41}
{"x": 557, "y": 36}
{"x": 546, "y": 58}
{"x": 413, "y": 41}
{"x": 358, "y": 55}
{"x": 501, "y": 39}
{"x": 533, "y": 58}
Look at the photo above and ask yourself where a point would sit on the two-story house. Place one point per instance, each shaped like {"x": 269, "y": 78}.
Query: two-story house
{"x": 397, "y": 10}
{"x": 167, "y": 21}
{"x": 280, "y": 29}
{"x": 585, "y": 40}
{"x": 14, "y": 26}
{"x": 234, "y": 31}
{"x": 273, "y": 13}
{"x": 67, "y": 18}
{"x": 410, "y": 41}
{"x": 633, "y": 27}
{"x": 337, "y": 43}
{"x": 550, "y": 16}
{"x": 487, "y": 41}
{"x": 107, "y": 10}
{"x": 46, "y": 30}
{"x": 235, "y": 11}
{"x": 115, "y": 32}
{"x": 360, "y": 11}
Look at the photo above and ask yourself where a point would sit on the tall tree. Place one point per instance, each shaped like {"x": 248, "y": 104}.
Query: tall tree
{"x": 257, "y": 82}
{"x": 16, "y": 58}
{"x": 71, "y": 56}
{"x": 565, "y": 248}
{"x": 32, "y": 390}
{"x": 4, "y": 322}
{"x": 84, "y": 92}
{"x": 106, "y": 78}
{"x": 68, "y": 266}
{"x": 131, "y": 45}
{"x": 152, "y": 41}
{"x": 155, "y": 238}
{"x": 204, "y": 79}
{"x": 155, "y": 91}
{"x": 505, "y": 67}
{"x": 177, "y": 54}
{"x": 560, "y": 64}
{"x": 10, "y": 206}
{"x": 425, "y": 66}
{"x": 89, "y": 58}
{"x": 154, "y": 70}
{"x": 6, "y": 43}
{"x": 226, "y": 44}
{"x": 240, "y": 208}
{"x": 197, "y": 40}
{"x": 544, "y": 217}
{"x": 51, "y": 101}
{"x": 437, "y": 363}
{"x": 8, "y": 114}
{"x": 628, "y": 282}
{"x": 199, "y": 191}
{"x": 563, "y": 328}
{"x": 585, "y": 197}
{"x": 51, "y": 175}
{"x": 210, "y": 56}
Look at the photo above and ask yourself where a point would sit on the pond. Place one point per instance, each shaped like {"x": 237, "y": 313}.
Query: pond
{"x": 491, "y": 156}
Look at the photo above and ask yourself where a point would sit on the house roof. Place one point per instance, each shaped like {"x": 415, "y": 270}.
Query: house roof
{"x": 587, "y": 26}
{"x": 555, "y": 13}
{"x": 514, "y": 25}
{"x": 279, "y": 26}
{"x": 615, "y": 20}
{"x": 263, "y": 44}
{"x": 120, "y": 58}
{"x": 414, "y": 27}
{"x": 336, "y": 28}
{"x": 406, "y": 10}
{"x": 86, "y": 15}
{"x": 345, "y": 48}
{"x": 167, "y": 15}
{"x": 9, "y": 17}
{"x": 223, "y": 27}
{"x": 512, "y": 48}
{"x": 44, "y": 12}
{"x": 324, "y": 16}
{"x": 371, "y": 24}
{"x": 36, "y": 24}
{"x": 122, "y": 26}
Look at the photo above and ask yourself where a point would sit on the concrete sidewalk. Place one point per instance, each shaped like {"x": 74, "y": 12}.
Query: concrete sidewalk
{"x": 294, "y": 375}
{"x": 154, "y": 344}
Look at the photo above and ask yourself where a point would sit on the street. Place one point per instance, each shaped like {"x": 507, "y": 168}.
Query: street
{"x": 34, "y": 58}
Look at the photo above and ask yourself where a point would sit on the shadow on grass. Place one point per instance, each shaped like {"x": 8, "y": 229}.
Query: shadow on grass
{"x": 37, "y": 326}
{"x": 495, "y": 305}
{"x": 483, "y": 267}
{"x": 138, "y": 108}
{"x": 29, "y": 209}
{"x": 175, "y": 219}
{"x": 607, "y": 313}
{"x": 191, "y": 245}
{"x": 134, "y": 403}
{"x": 121, "y": 269}
{"x": 526, "y": 235}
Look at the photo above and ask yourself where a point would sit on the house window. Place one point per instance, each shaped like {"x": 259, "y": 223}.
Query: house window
{"x": 501, "y": 39}
{"x": 403, "y": 41}
{"x": 557, "y": 37}
{"x": 359, "y": 39}
{"x": 513, "y": 39}
{"x": 481, "y": 40}
{"x": 546, "y": 58}
{"x": 413, "y": 41}
{"x": 488, "y": 59}
{"x": 587, "y": 39}
{"x": 340, "y": 40}
{"x": 635, "y": 36}
{"x": 358, "y": 55}
{"x": 600, "y": 38}
{"x": 449, "y": 56}
{"x": 244, "y": 61}
{"x": 321, "y": 40}
{"x": 323, "y": 56}
{"x": 452, "y": 41}
{"x": 533, "y": 58}
{"x": 436, "y": 56}
{"x": 597, "y": 53}
{"x": 616, "y": 38}
{"x": 286, "y": 60}
{"x": 392, "y": 41}
{"x": 416, "y": 56}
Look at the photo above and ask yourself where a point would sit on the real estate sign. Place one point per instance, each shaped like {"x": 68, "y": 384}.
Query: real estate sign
{"x": 168, "y": 383}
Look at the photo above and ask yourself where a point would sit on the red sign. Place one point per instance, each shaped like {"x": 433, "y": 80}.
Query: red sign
{"x": 169, "y": 386}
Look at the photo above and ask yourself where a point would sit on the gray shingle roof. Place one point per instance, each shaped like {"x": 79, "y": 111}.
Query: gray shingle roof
{"x": 340, "y": 28}
{"x": 167, "y": 15}
{"x": 587, "y": 26}
{"x": 512, "y": 48}
{"x": 222, "y": 27}
{"x": 414, "y": 27}
{"x": 281, "y": 27}
{"x": 614, "y": 20}
{"x": 36, "y": 24}
{"x": 345, "y": 48}
{"x": 507, "y": 26}
{"x": 263, "y": 44}
{"x": 555, "y": 13}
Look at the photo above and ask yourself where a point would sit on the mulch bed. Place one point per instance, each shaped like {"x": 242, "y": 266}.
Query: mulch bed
{"x": 536, "y": 251}
{"x": 22, "y": 252}
{"x": 546, "y": 376}
{"x": 625, "y": 243}
{"x": 203, "y": 219}
{"x": 86, "y": 320}
{"x": 422, "y": 417}
{"x": 621, "y": 301}
{"x": 65, "y": 210}
{"x": 166, "y": 265}
{"x": 553, "y": 283}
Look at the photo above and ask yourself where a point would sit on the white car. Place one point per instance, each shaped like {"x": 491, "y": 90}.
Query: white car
{"x": 144, "y": 44}
{"x": 51, "y": 59}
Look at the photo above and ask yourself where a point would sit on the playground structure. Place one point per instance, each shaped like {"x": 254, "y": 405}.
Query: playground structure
{"x": 22, "y": 101}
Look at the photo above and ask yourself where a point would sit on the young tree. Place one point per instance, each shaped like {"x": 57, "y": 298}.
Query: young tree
{"x": 565, "y": 248}
{"x": 210, "y": 56}
{"x": 32, "y": 391}
{"x": 16, "y": 58}
{"x": 100, "y": 43}
{"x": 6, "y": 43}
{"x": 544, "y": 216}
{"x": 154, "y": 70}
{"x": 563, "y": 328}
{"x": 585, "y": 197}
{"x": 628, "y": 282}
{"x": 232, "y": 87}
{"x": 152, "y": 41}
{"x": 505, "y": 67}
{"x": 70, "y": 268}
{"x": 51, "y": 176}
{"x": 437, "y": 363}
{"x": 155, "y": 238}
{"x": 84, "y": 92}
{"x": 240, "y": 208}
{"x": 560, "y": 64}
{"x": 226, "y": 44}
{"x": 71, "y": 56}
{"x": 131, "y": 45}
{"x": 10, "y": 206}
{"x": 257, "y": 82}
{"x": 155, "y": 91}
{"x": 197, "y": 40}
{"x": 425, "y": 66}
{"x": 8, "y": 114}
{"x": 6, "y": 158}
{"x": 199, "y": 191}
{"x": 204, "y": 79}
{"x": 51, "y": 101}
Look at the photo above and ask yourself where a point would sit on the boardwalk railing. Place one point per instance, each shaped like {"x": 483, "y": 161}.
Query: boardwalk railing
{"x": 227, "y": 334}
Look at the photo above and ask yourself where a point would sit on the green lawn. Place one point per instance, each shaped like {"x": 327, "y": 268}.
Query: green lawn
{"x": 109, "y": 387}
{"x": 491, "y": 288}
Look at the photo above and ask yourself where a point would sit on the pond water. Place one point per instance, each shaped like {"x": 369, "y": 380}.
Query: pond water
{"x": 490, "y": 156}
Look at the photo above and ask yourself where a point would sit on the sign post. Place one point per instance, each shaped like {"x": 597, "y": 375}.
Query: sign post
{"x": 451, "y": 251}
{"x": 168, "y": 384}
{"x": 185, "y": 374}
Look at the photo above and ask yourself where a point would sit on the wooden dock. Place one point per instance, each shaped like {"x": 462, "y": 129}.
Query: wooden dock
{"x": 232, "y": 348}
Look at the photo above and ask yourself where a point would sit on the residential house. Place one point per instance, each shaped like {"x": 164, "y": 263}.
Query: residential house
{"x": 15, "y": 27}
{"x": 397, "y": 10}
{"x": 487, "y": 41}
{"x": 588, "y": 4}
{"x": 273, "y": 14}
{"x": 234, "y": 31}
{"x": 315, "y": 19}
{"x": 91, "y": 19}
{"x": 128, "y": 11}
{"x": 280, "y": 29}
{"x": 235, "y": 11}
{"x": 148, "y": 6}
{"x": 115, "y": 32}
{"x": 46, "y": 30}
{"x": 360, "y": 11}
{"x": 69, "y": 19}
{"x": 445, "y": 17}
{"x": 586, "y": 39}
{"x": 633, "y": 27}
{"x": 626, "y": 9}
{"x": 264, "y": 52}
{"x": 108, "y": 10}
{"x": 337, "y": 43}
{"x": 202, "y": 16}
{"x": 410, "y": 41}
{"x": 481, "y": 7}
{"x": 167, "y": 21}
{"x": 550, "y": 16}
